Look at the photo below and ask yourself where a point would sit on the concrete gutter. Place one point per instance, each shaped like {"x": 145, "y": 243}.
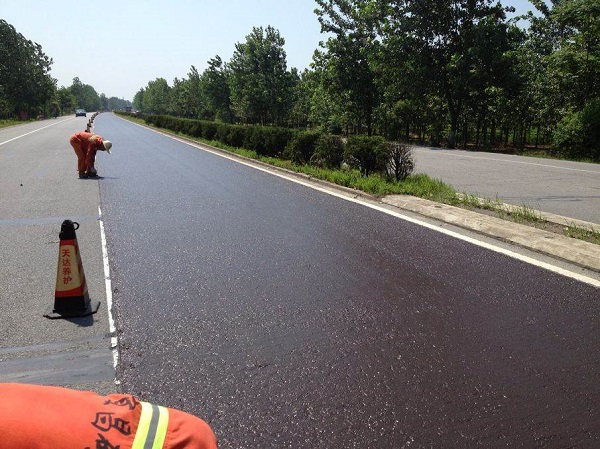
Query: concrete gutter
{"x": 572, "y": 250}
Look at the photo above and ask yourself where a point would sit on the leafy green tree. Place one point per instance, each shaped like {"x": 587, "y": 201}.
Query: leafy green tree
{"x": 563, "y": 48}
{"x": 347, "y": 61}
{"x": 451, "y": 39}
{"x": 214, "y": 85}
{"x": 66, "y": 100}
{"x": 324, "y": 108}
{"x": 86, "y": 96}
{"x": 576, "y": 63}
{"x": 157, "y": 97}
{"x": 103, "y": 102}
{"x": 178, "y": 99}
{"x": 114, "y": 103}
{"x": 261, "y": 87}
{"x": 138, "y": 99}
{"x": 25, "y": 81}
{"x": 300, "y": 112}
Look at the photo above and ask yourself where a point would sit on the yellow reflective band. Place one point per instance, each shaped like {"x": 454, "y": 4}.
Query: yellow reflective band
{"x": 161, "y": 427}
{"x": 152, "y": 428}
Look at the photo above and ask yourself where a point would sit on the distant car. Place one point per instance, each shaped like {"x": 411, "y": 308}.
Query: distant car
{"x": 81, "y": 112}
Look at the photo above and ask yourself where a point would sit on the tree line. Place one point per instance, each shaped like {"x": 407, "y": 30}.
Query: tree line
{"x": 28, "y": 90}
{"x": 453, "y": 72}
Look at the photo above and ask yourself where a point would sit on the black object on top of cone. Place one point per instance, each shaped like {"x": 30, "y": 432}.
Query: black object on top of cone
{"x": 67, "y": 230}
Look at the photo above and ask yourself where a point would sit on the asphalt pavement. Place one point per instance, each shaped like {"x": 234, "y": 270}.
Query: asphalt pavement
{"x": 39, "y": 189}
{"x": 290, "y": 313}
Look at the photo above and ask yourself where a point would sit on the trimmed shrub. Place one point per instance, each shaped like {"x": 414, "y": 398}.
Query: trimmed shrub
{"x": 253, "y": 140}
{"x": 368, "y": 154}
{"x": 400, "y": 161}
{"x": 301, "y": 147}
{"x": 329, "y": 151}
{"x": 236, "y": 136}
{"x": 276, "y": 139}
{"x": 209, "y": 129}
{"x": 222, "y": 133}
{"x": 196, "y": 129}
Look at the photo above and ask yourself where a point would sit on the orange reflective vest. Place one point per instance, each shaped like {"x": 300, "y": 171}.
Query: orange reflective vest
{"x": 41, "y": 417}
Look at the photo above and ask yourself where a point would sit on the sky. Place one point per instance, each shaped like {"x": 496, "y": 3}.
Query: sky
{"x": 117, "y": 47}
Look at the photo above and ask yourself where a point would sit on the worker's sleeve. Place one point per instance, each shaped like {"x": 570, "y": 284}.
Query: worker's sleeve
{"x": 186, "y": 431}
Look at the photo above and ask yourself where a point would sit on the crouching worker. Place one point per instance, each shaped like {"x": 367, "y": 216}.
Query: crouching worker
{"x": 86, "y": 145}
{"x": 41, "y": 417}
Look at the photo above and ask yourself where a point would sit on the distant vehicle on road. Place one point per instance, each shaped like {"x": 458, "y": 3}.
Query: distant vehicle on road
{"x": 81, "y": 112}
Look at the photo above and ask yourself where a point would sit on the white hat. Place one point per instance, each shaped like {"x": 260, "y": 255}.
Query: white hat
{"x": 107, "y": 144}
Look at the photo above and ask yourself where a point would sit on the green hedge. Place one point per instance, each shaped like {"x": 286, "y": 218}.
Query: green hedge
{"x": 301, "y": 148}
{"x": 367, "y": 154}
{"x": 265, "y": 140}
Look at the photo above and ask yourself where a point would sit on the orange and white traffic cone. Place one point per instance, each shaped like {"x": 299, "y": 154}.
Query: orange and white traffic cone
{"x": 71, "y": 297}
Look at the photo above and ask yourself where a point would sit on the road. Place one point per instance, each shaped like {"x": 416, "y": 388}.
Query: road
{"x": 288, "y": 317}
{"x": 570, "y": 189}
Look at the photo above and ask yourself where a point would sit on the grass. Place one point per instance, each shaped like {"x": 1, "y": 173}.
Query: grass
{"x": 7, "y": 122}
{"x": 526, "y": 214}
{"x": 419, "y": 185}
{"x": 588, "y": 234}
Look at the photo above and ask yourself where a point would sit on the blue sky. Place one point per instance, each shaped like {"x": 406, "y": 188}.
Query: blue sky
{"x": 118, "y": 46}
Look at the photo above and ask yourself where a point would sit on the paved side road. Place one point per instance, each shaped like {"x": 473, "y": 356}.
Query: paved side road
{"x": 571, "y": 189}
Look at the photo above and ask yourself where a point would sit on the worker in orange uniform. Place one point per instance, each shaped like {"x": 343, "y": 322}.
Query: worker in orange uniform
{"x": 86, "y": 145}
{"x": 42, "y": 417}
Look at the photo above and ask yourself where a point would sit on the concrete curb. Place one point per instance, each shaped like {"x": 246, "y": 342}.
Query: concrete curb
{"x": 572, "y": 250}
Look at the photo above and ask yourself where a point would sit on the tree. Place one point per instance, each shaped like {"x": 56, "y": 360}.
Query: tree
{"x": 66, "y": 100}
{"x": 25, "y": 81}
{"x": 214, "y": 85}
{"x": 564, "y": 39}
{"x": 260, "y": 84}
{"x": 138, "y": 99}
{"x": 186, "y": 98}
{"x": 86, "y": 96}
{"x": 347, "y": 61}
{"x": 576, "y": 62}
{"x": 451, "y": 38}
{"x": 157, "y": 97}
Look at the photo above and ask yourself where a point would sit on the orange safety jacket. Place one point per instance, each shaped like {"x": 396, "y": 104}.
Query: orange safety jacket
{"x": 89, "y": 144}
{"x": 42, "y": 417}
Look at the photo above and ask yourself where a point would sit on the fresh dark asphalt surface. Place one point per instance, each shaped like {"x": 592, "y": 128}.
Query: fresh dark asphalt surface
{"x": 289, "y": 318}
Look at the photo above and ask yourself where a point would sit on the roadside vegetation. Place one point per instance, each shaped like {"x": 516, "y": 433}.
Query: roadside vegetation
{"x": 4, "y": 123}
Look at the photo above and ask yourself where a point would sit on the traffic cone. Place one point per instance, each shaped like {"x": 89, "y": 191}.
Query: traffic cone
{"x": 71, "y": 297}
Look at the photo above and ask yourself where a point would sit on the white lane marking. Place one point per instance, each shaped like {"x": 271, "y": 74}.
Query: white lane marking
{"x": 31, "y": 132}
{"x": 109, "y": 300}
{"x": 497, "y": 249}
{"x": 537, "y": 164}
